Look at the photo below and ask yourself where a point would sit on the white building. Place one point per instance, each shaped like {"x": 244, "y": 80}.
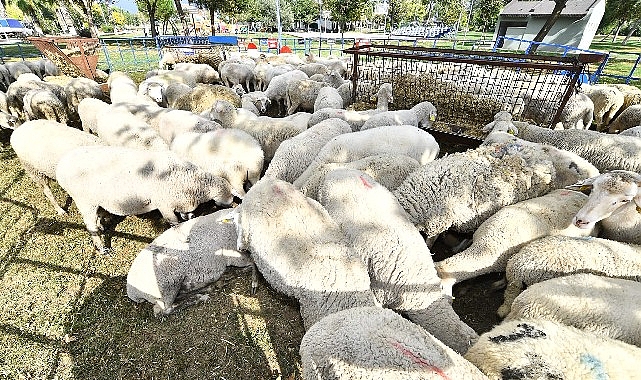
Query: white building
{"x": 577, "y": 25}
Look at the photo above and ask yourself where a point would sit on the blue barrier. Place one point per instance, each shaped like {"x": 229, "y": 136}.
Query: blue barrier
{"x": 223, "y": 40}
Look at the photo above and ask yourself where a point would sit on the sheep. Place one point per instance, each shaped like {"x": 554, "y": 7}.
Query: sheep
{"x": 174, "y": 91}
{"x": 313, "y": 68}
{"x": 275, "y": 71}
{"x": 183, "y": 260}
{"x": 44, "y": 104}
{"x": 345, "y": 91}
{"x": 422, "y": 114}
{"x": 255, "y": 101}
{"x": 498, "y": 237}
{"x": 176, "y": 122}
{"x": 40, "y": 144}
{"x": 333, "y": 64}
{"x": 204, "y": 96}
{"x": 155, "y": 91}
{"x": 357, "y": 118}
{"x": 88, "y": 110}
{"x": 42, "y": 67}
{"x": 17, "y": 90}
{"x": 121, "y": 128}
{"x": 614, "y": 201}
{"x": 604, "y": 151}
{"x": 631, "y": 95}
{"x": 461, "y": 190}
{"x": 296, "y": 153}
{"x": 540, "y": 349}
{"x": 80, "y": 88}
{"x": 277, "y": 89}
{"x": 502, "y": 123}
{"x": 577, "y": 113}
{"x": 125, "y": 181}
{"x": 15, "y": 69}
{"x": 123, "y": 89}
{"x": 309, "y": 261}
{"x": 607, "y": 101}
{"x": 557, "y": 256}
{"x": 3, "y": 102}
{"x": 604, "y": 306}
{"x": 404, "y": 139}
{"x": 269, "y": 132}
{"x": 260, "y": 74}
{"x": 629, "y": 118}
{"x": 232, "y": 73}
{"x": 8, "y": 121}
{"x": 402, "y": 273}
{"x": 389, "y": 170}
{"x": 302, "y": 94}
{"x": 201, "y": 72}
{"x": 328, "y": 97}
{"x": 228, "y": 153}
{"x": 375, "y": 343}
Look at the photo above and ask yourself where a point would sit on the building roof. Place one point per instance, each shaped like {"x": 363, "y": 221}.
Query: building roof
{"x": 542, "y": 8}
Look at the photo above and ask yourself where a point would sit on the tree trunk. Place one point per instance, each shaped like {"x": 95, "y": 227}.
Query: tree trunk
{"x": 549, "y": 23}
{"x": 90, "y": 22}
{"x": 181, "y": 15}
{"x": 616, "y": 33}
{"x": 633, "y": 28}
{"x": 151, "y": 11}
{"x": 212, "y": 16}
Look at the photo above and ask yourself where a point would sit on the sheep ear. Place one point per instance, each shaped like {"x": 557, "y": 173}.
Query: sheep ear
{"x": 584, "y": 185}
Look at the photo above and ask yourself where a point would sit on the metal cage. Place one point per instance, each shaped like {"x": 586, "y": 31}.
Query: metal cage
{"x": 468, "y": 87}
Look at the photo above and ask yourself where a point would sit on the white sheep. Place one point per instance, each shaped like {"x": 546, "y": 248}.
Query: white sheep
{"x": 8, "y": 121}
{"x": 602, "y": 305}
{"x": 578, "y": 112}
{"x": 228, "y": 153}
{"x": 404, "y": 139}
{"x": 422, "y": 114}
{"x": 88, "y": 110}
{"x": 295, "y": 154}
{"x": 122, "y": 128}
{"x": 123, "y": 89}
{"x": 634, "y": 131}
{"x": 356, "y": 118}
{"x": 607, "y": 101}
{"x": 302, "y": 94}
{"x": 400, "y": 265}
{"x": 375, "y": 343}
{"x": 313, "y": 68}
{"x": 155, "y": 91}
{"x": 203, "y": 97}
{"x": 125, "y": 181}
{"x": 176, "y": 122}
{"x": 557, "y": 256}
{"x": 310, "y": 261}
{"x": 540, "y": 349}
{"x": 277, "y": 89}
{"x": 44, "y": 104}
{"x": 202, "y": 72}
{"x": 40, "y": 144}
{"x": 461, "y": 190}
{"x": 174, "y": 91}
{"x": 17, "y": 91}
{"x": 630, "y": 117}
{"x": 269, "y": 132}
{"x": 80, "y": 88}
{"x": 614, "y": 201}
{"x": 328, "y": 97}
{"x": 183, "y": 259}
{"x": 604, "y": 151}
{"x": 232, "y": 73}
{"x": 256, "y": 101}
{"x": 389, "y": 170}
{"x": 499, "y": 237}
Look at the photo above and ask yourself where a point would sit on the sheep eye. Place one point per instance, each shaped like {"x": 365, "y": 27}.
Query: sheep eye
{"x": 625, "y": 200}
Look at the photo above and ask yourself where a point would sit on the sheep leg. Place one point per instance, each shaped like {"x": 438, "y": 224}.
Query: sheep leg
{"x": 514, "y": 288}
{"x": 92, "y": 222}
{"x": 47, "y": 191}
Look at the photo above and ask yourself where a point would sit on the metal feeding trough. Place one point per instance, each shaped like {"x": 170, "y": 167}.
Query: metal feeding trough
{"x": 468, "y": 87}
{"x": 74, "y": 56}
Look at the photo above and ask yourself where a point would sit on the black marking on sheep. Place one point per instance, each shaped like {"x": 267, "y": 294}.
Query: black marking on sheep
{"x": 524, "y": 331}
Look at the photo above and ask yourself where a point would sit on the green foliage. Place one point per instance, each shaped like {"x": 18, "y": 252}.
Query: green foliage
{"x": 485, "y": 13}
{"x": 449, "y": 11}
{"x": 619, "y": 12}
{"x": 41, "y": 12}
{"x": 264, "y": 11}
{"x": 344, "y": 11}
{"x": 305, "y": 10}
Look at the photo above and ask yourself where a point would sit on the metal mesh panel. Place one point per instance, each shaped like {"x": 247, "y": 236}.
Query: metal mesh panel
{"x": 467, "y": 87}
{"x": 76, "y": 58}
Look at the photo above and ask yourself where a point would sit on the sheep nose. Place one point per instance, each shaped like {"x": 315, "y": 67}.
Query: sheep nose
{"x": 580, "y": 222}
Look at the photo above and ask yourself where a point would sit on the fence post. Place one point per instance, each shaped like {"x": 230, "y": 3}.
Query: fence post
{"x": 105, "y": 51}
{"x": 634, "y": 67}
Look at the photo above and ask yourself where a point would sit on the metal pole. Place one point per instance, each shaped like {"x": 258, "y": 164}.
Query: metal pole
{"x": 280, "y": 28}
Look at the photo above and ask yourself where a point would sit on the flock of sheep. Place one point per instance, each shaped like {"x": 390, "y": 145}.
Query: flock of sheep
{"x": 339, "y": 209}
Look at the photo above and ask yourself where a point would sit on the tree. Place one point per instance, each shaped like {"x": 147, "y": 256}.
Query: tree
{"x": 305, "y": 11}
{"x": 617, "y": 15}
{"x": 222, "y": 6}
{"x": 40, "y": 12}
{"x": 449, "y": 11}
{"x": 485, "y": 13}
{"x": 149, "y": 8}
{"x": 344, "y": 11}
{"x": 559, "y": 5}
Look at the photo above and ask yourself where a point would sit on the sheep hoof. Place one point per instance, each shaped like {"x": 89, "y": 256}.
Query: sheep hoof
{"x": 105, "y": 251}
{"x": 254, "y": 288}
{"x": 62, "y": 212}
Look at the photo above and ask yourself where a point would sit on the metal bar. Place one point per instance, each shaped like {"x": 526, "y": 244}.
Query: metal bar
{"x": 634, "y": 67}
{"x": 568, "y": 93}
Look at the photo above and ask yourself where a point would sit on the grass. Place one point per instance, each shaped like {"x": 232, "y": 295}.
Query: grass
{"x": 64, "y": 312}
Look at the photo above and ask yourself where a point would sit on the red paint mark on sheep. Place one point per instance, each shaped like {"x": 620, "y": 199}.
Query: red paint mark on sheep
{"x": 367, "y": 184}
{"x": 418, "y": 360}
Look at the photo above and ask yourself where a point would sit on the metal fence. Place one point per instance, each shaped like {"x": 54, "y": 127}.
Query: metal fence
{"x": 468, "y": 87}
